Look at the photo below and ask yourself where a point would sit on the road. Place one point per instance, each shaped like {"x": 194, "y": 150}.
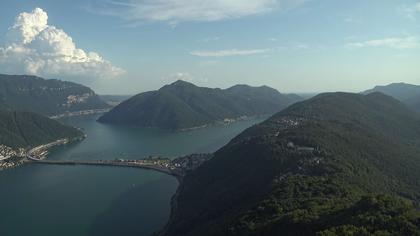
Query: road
{"x": 177, "y": 172}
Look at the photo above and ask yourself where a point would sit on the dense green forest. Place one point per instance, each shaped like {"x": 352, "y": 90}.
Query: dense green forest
{"x": 183, "y": 105}
{"x": 47, "y": 97}
{"x": 337, "y": 164}
{"x": 26, "y": 129}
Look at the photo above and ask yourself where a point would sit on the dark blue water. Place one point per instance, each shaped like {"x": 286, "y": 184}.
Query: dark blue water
{"x": 86, "y": 200}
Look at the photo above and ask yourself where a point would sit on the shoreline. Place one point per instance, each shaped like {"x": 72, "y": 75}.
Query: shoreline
{"x": 173, "y": 208}
{"x": 227, "y": 121}
{"x": 80, "y": 113}
{"x": 42, "y": 152}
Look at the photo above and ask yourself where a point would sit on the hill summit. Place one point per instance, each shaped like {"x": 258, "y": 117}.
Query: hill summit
{"x": 183, "y": 105}
{"x": 409, "y": 94}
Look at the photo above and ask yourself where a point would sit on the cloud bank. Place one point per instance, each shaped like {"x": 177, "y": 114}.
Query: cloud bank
{"x": 34, "y": 47}
{"x": 395, "y": 43}
{"x": 174, "y": 11}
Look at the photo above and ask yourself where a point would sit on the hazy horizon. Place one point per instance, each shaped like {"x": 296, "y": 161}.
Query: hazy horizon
{"x": 294, "y": 46}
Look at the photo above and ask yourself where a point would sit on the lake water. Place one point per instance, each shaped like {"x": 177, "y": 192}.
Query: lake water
{"x": 49, "y": 200}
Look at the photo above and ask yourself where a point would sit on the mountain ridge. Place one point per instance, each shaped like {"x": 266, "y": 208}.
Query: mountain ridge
{"x": 183, "y": 105}
{"x": 319, "y": 167}
{"x": 47, "y": 97}
{"x": 409, "y": 94}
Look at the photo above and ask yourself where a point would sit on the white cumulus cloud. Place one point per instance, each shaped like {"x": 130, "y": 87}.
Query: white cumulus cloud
{"x": 174, "y": 11}
{"x": 182, "y": 76}
{"x": 228, "y": 53}
{"x": 186, "y": 76}
{"x": 395, "y": 43}
{"x": 34, "y": 47}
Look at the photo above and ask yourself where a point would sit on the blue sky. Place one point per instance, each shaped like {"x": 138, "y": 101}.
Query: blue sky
{"x": 139, "y": 45}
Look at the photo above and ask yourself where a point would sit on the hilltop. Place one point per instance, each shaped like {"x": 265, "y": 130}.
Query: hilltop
{"x": 47, "y": 97}
{"x": 336, "y": 164}
{"x": 407, "y": 93}
{"x": 183, "y": 105}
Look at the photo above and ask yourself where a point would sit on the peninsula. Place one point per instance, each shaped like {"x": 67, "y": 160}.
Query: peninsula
{"x": 21, "y": 131}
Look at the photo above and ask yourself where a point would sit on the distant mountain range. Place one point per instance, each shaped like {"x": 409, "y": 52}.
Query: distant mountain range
{"x": 336, "y": 164}
{"x": 182, "y": 105}
{"x": 114, "y": 100}
{"x": 407, "y": 93}
{"x": 47, "y": 97}
{"x": 26, "y": 129}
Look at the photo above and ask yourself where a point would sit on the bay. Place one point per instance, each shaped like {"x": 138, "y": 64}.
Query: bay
{"x": 87, "y": 200}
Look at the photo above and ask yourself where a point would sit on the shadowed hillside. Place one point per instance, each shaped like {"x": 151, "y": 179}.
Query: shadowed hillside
{"x": 47, "y": 97}
{"x": 337, "y": 164}
{"x": 25, "y": 129}
{"x": 407, "y": 93}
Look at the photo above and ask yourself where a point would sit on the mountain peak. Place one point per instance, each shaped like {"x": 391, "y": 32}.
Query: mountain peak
{"x": 178, "y": 84}
{"x": 183, "y": 105}
{"x": 406, "y": 93}
{"x": 182, "y": 83}
{"x": 393, "y": 85}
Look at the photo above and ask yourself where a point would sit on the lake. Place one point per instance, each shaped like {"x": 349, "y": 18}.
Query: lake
{"x": 48, "y": 200}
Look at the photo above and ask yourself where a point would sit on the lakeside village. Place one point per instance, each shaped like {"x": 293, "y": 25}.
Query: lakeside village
{"x": 10, "y": 158}
{"x": 178, "y": 166}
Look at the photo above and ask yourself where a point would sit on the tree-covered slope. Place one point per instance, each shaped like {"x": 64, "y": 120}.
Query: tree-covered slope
{"x": 47, "y": 97}
{"x": 337, "y": 164}
{"x": 407, "y": 93}
{"x": 183, "y": 105}
{"x": 25, "y": 129}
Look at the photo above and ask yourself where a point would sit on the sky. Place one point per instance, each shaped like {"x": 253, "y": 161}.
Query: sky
{"x": 132, "y": 46}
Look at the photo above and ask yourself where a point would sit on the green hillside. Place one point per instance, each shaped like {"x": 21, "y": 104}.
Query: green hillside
{"x": 47, "y": 97}
{"x": 183, "y": 105}
{"x": 25, "y": 129}
{"x": 337, "y": 164}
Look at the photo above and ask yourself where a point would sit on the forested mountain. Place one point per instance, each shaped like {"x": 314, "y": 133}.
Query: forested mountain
{"x": 25, "y": 129}
{"x": 183, "y": 105}
{"x": 337, "y": 164}
{"x": 47, "y": 97}
{"x": 407, "y": 93}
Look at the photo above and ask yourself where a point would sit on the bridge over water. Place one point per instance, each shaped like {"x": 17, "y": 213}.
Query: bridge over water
{"x": 170, "y": 170}
{"x": 176, "y": 167}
